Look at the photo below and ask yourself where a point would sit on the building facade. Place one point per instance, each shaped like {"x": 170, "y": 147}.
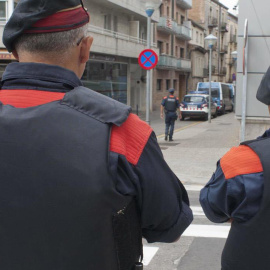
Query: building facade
{"x": 119, "y": 29}
{"x": 232, "y": 46}
{"x": 196, "y": 50}
{"x": 6, "y": 9}
{"x": 213, "y": 16}
{"x": 172, "y": 34}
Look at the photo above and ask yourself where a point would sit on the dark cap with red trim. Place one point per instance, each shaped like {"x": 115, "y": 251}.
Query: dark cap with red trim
{"x": 44, "y": 16}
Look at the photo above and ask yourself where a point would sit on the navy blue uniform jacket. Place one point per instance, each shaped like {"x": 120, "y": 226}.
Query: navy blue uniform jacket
{"x": 135, "y": 158}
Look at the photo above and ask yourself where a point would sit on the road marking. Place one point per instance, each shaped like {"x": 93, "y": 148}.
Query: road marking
{"x": 210, "y": 231}
{"x": 193, "y": 187}
{"x": 197, "y": 211}
{"x": 179, "y": 129}
{"x": 148, "y": 254}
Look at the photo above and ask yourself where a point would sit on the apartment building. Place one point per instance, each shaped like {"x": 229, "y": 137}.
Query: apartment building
{"x": 196, "y": 50}
{"x": 232, "y": 36}
{"x": 173, "y": 31}
{"x": 213, "y": 16}
{"x": 6, "y": 9}
{"x": 119, "y": 28}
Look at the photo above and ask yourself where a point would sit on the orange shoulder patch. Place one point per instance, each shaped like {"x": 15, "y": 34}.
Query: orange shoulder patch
{"x": 240, "y": 160}
{"x": 130, "y": 138}
{"x": 164, "y": 97}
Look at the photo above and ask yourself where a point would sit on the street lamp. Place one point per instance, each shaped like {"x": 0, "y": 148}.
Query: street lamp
{"x": 210, "y": 41}
{"x": 150, "y": 7}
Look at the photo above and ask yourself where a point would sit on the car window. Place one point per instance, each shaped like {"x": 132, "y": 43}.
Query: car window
{"x": 193, "y": 99}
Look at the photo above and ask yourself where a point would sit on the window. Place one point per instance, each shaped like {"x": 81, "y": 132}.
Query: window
{"x": 182, "y": 19}
{"x": 168, "y": 11}
{"x": 177, "y": 17}
{"x": 107, "y": 22}
{"x": 168, "y": 84}
{"x": 176, "y": 51}
{"x": 159, "y": 84}
{"x": 167, "y": 49}
{"x": 201, "y": 42}
{"x": 197, "y": 36}
{"x": 3, "y": 10}
{"x": 115, "y": 24}
{"x": 160, "y": 46}
{"x": 174, "y": 84}
{"x": 182, "y": 53}
{"x": 161, "y": 10}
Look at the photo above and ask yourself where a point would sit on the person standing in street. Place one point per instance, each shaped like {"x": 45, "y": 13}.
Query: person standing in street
{"x": 82, "y": 179}
{"x": 239, "y": 193}
{"x": 169, "y": 105}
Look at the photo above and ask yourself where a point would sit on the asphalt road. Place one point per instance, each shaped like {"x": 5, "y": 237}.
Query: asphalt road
{"x": 192, "y": 156}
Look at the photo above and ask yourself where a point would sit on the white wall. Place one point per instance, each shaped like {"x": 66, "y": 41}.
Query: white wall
{"x": 258, "y": 55}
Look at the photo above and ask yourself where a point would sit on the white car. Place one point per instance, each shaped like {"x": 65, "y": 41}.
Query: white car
{"x": 196, "y": 105}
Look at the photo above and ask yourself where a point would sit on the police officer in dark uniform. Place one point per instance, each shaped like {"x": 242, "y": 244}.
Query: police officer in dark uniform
{"x": 170, "y": 104}
{"x": 239, "y": 193}
{"x": 82, "y": 179}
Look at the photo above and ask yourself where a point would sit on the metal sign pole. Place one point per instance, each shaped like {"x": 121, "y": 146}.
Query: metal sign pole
{"x": 244, "y": 90}
{"x": 210, "y": 79}
{"x": 147, "y": 118}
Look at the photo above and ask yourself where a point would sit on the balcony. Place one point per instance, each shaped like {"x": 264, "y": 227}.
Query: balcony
{"x": 233, "y": 39}
{"x": 223, "y": 49}
{"x": 212, "y": 22}
{"x": 169, "y": 62}
{"x": 166, "y": 25}
{"x": 223, "y": 27}
{"x": 184, "y": 4}
{"x": 131, "y": 7}
{"x": 206, "y": 70}
{"x": 182, "y": 31}
{"x": 223, "y": 71}
{"x": 115, "y": 43}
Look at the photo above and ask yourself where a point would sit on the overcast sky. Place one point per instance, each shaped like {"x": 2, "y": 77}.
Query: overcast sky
{"x": 230, "y": 4}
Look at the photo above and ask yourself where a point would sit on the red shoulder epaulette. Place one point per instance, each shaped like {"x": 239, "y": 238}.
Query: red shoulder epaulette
{"x": 130, "y": 138}
{"x": 240, "y": 160}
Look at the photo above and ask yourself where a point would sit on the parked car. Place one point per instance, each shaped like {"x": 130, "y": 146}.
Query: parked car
{"x": 221, "y": 94}
{"x": 196, "y": 105}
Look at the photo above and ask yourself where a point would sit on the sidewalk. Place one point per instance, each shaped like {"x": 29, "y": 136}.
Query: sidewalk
{"x": 197, "y": 146}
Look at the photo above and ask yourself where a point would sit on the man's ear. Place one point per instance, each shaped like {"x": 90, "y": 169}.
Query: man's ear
{"x": 15, "y": 54}
{"x": 85, "y": 49}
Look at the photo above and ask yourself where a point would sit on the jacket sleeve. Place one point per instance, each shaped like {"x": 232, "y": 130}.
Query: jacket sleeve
{"x": 142, "y": 172}
{"x": 235, "y": 189}
{"x": 165, "y": 205}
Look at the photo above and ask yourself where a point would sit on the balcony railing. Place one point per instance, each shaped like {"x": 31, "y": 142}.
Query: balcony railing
{"x": 223, "y": 27}
{"x": 233, "y": 38}
{"x": 206, "y": 70}
{"x": 184, "y": 4}
{"x": 231, "y": 62}
{"x": 170, "y": 62}
{"x": 165, "y": 24}
{"x": 224, "y": 49}
{"x": 182, "y": 31}
{"x": 117, "y": 35}
{"x": 212, "y": 22}
{"x": 171, "y": 27}
{"x": 223, "y": 71}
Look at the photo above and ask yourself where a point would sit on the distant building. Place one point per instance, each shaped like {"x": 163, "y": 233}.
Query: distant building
{"x": 173, "y": 31}
{"x": 196, "y": 50}
{"x": 213, "y": 16}
{"x": 119, "y": 28}
{"x": 6, "y": 9}
{"x": 232, "y": 36}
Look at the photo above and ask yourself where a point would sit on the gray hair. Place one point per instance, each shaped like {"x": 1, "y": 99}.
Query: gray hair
{"x": 50, "y": 43}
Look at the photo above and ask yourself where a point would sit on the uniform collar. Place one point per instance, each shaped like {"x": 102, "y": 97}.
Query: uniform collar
{"x": 40, "y": 77}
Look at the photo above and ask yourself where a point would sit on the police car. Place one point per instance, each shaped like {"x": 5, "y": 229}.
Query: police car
{"x": 196, "y": 105}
